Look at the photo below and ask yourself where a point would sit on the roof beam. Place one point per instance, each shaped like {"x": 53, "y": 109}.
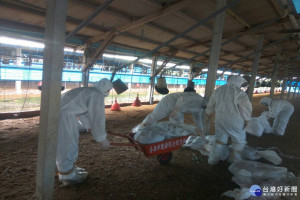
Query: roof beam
{"x": 89, "y": 19}
{"x": 99, "y": 51}
{"x": 201, "y": 22}
{"x": 247, "y": 56}
{"x": 152, "y": 16}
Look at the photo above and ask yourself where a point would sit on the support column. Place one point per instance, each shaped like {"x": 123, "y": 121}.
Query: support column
{"x": 152, "y": 79}
{"x": 86, "y": 71}
{"x": 85, "y": 77}
{"x": 131, "y": 72}
{"x": 215, "y": 50}
{"x": 18, "y": 87}
{"x": 294, "y": 94}
{"x": 255, "y": 66}
{"x": 289, "y": 92}
{"x": 19, "y": 56}
{"x": 274, "y": 75}
{"x": 50, "y": 102}
{"x": 284, "y": 79}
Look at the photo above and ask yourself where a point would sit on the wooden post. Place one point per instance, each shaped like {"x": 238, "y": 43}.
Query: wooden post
{"x": 50, "y": 104}
{"x": 255, "y": 66}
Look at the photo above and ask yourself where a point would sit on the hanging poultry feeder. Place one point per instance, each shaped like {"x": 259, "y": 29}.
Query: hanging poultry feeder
{"x": 161, "y": 86}
{"x": 137, "y": 102}
{"x": 190, "y": 87}
{"x": 115, "y": 106}
{"x": 119, "y": 86}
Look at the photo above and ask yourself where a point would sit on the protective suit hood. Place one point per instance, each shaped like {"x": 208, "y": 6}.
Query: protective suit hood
{"x": 266, "y": 101}
{"x": 103, "y": 86}
{"x": 236, "y": 80}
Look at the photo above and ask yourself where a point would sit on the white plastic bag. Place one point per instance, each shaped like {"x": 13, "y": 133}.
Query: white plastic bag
{"x": 270, "y": 156}
{"x": 238, "y": 194}
{"x": 256, "y": 170}
{"x": 162, "y": 131}
{"x": 258, "y": 125}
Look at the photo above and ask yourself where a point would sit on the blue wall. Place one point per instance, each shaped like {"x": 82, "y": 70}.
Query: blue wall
{"x": 35, "y": 72}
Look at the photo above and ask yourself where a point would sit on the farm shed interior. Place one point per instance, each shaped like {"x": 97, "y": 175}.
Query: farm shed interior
{"x": 258, "y": 38}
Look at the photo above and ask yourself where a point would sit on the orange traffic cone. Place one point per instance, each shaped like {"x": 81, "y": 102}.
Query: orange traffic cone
{"x": 137, "y": 102}
{"x": 115, "y": 106}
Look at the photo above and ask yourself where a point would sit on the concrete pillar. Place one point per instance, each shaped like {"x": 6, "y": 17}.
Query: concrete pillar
{"x": 19, "y": 56}
{"x": 18, "y": 87}
{"x": 290, "y": 87}
{"x": 215, "y": 50}
{"x": 131, "y": 72}
{"x": 295, "y": 88}
{"x": 130, "y": 83}
{"x": 284, "y": 80}
{"x": 85, "y": 77}
{"x": 86, "y": 72}
{"x": 255, "y": 66}
{"x": 274, "y": 75}
{"x": 152, "y": 79}
{"x": 50, "y": 102}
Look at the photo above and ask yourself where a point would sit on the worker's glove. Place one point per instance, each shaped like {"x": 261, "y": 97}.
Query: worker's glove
{"x": 105, "y": 143}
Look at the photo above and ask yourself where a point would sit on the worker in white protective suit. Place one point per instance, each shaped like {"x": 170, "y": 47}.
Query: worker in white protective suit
{"x": 175, "y": 105}
{"x": 233, "y": 111}
{"x": 280, "y": 110}
{"x": 86, "y": 103}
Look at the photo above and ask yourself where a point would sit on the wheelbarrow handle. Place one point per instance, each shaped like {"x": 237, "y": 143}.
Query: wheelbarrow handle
{"x": 123, "y": 144}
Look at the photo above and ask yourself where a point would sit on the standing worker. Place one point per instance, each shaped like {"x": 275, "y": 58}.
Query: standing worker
{"x": 233, "y": 111}
{"x": 87, "y": 102}
{"x": 281, "y": 111}
{"x": 175, "y": 105}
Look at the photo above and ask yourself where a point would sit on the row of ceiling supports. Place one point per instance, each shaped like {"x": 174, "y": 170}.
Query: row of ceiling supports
{"x": 172, "y": 8}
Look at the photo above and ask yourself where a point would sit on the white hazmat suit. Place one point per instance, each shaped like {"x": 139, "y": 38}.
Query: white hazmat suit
{"x": 280, "y": 110}
{"x": 175, "y": 105}
{"x": 232, "y": 109}
{"x": 86, "y": 102}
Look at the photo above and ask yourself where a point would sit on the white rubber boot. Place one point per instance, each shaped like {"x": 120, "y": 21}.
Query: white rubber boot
{"x": 78, "y": 175}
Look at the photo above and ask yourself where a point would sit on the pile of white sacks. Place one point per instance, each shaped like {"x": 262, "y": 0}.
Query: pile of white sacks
{"x": 163, "y": 131}
{"x": 248, "y": 172}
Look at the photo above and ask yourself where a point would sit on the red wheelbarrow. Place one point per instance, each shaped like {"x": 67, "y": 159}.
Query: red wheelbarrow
{"x": 163, "y": 150}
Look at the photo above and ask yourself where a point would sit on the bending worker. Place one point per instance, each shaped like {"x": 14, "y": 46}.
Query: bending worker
{"x": 87, "y": 102}
{"x": 233, "y": 111}
{"x": 175, "y": 105}
{"x": 280, "y": 110}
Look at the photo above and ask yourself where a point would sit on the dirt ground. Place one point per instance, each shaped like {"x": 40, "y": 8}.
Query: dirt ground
{"x": 124, "y": 173}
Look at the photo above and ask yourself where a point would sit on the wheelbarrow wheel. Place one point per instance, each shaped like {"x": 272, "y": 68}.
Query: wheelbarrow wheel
{"x": 164, "y": 158}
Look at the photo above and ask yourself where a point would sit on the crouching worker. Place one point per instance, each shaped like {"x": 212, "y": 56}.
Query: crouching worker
{"x": 174, "y": 106}
{"x": 281, "y": 111}
{"x": 233, "y": 110}
{"x": 88, "y": 102}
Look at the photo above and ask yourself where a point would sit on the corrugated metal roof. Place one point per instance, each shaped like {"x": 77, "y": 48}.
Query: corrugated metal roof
{"x": 120, "y": 16}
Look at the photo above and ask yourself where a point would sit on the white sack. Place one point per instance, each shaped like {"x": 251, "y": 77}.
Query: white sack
{"x": 163, "y": 131}
{"x": 238, "y": 194}
{"x": 256, "y": 170}
{"x": 270, "y": 156}
{"x": 258, "y": 125}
